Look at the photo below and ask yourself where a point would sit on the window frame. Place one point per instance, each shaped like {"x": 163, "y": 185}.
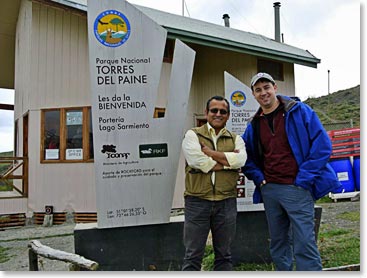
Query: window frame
{"x": 16, "y": 133}
{"x": 63, "y": 134}
{"x": 199, "y": 120}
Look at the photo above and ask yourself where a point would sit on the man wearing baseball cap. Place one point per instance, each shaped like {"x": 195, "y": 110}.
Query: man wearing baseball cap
{"x": 287, "y": 158}
{"x": 261, "y": 75}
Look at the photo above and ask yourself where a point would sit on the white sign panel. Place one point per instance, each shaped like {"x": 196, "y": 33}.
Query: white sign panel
{"x": 52, "y": 153}
{"x": 74, "y": 154}
{"x": 136, "y": 156}
{"x": 74, "y": 118}
{"x": 243, "y": 106}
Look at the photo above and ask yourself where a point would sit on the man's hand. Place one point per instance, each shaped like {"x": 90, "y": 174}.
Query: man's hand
{"x": 219, "y": 157}
{"x": 205, "y": 149}
{"x": 218, "y": 167}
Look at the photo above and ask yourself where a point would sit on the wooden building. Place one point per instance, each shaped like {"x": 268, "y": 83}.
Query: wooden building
{"x": 44, "y": 58}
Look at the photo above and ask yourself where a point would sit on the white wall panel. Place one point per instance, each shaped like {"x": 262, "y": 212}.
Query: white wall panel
{"x": 66, "y": 186}
{"x": 10, "y": 206}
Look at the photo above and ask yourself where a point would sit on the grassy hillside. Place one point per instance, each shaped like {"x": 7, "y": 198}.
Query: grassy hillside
{"x": 6, "y": 154}
{"x": 342, "y": 105}
{"x": 4, "y": 166}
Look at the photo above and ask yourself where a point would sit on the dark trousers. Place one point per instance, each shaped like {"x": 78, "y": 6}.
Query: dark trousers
{"x": 200, "y": 217}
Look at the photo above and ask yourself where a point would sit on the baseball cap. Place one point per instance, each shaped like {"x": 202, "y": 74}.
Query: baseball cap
{"x": 260, "y": 75}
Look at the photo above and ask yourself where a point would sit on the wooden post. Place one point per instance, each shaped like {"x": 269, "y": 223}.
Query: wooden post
{"x": 33, "y": 260}
{"x": 36, "y": 248}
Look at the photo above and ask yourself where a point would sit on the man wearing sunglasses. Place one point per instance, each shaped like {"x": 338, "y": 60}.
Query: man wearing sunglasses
{"x": 213, "y": 158}
{"x": 287, "y": 158}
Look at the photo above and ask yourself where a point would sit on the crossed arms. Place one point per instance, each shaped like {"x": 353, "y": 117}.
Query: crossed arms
{"x": 203, "y": 158}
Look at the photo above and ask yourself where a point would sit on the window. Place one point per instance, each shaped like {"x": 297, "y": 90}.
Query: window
{"x": 159, "y": 112}
{"x": 74, "y": 134}
{"x": 275, "y": 69}
{"x": 168, "y": 51}
{"x": 66, "y": 135}
{"x": 90, "y": 134}
{"x": 201, "y": 121}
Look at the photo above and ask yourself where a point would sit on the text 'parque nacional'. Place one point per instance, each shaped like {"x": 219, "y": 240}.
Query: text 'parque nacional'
{"x": 109, "y": 72}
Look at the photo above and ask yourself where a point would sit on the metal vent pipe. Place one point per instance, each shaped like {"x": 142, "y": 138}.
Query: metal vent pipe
{"x": 226, "y": 20}
{"x": 277, "y": 20}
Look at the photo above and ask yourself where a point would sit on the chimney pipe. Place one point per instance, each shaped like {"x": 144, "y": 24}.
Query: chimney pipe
{"x": 277, "y": 21}
{"x": 226, "y": 20}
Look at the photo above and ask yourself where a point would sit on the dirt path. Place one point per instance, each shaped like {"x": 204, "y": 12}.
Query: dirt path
{"x": 15, "y": 240}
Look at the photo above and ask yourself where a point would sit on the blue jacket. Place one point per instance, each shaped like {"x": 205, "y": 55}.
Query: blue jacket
{"x": 310, "y": 145}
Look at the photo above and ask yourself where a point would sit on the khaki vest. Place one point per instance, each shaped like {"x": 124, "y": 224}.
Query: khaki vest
{"x": 199, "y": 184}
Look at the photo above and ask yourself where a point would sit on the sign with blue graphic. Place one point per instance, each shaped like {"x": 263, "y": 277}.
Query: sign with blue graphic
{"x": 238, "y": 98}
{"x": 112, "y": 28}
{"x": 242, "y": 103}
{"x": 136, "y": 156}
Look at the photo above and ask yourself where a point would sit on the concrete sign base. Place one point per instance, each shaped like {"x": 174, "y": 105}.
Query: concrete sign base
{"x": 160, "y": 246}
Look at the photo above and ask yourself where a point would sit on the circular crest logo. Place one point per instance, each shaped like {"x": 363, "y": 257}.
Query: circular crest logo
{"x": 112, "y": 28}
{"x": 238, "y": 98}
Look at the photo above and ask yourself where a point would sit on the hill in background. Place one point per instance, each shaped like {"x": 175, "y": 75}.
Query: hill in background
{"x": 341, "y": 106}
{"x": 4, "y": 166}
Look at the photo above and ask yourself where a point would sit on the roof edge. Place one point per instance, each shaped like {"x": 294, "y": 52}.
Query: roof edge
{"x": 242, "y": 48}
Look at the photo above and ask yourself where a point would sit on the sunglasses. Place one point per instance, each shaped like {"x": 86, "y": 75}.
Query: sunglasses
{"x": 221, "y": 111}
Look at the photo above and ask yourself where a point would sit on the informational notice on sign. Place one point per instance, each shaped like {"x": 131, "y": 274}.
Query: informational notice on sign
{"x": 135, "y": 155}
{"x": 74, "y": 154}
{"x": 52, "y": 154}
{"x": 74, "y": 118}
{"x": 243, "y": 106}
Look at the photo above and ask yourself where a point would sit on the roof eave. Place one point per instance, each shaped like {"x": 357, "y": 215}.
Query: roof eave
{"x": 240, "y": 47}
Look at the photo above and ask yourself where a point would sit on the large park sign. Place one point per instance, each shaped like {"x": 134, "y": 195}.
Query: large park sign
{"x": 136, "y": 156}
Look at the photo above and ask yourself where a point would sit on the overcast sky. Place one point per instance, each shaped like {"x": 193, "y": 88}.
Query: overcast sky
{"x": 6, "y": 121}
{"x": 329, "y": 29}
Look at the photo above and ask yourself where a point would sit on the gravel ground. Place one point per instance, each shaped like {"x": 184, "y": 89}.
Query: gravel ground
{"x": 331, "y": 210}
{"x": 61, "y": 237}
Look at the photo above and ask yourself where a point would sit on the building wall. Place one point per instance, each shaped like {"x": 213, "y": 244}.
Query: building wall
{"x": 59, "y": 58}
{"x": 23, "y": 78}
{"x": 66, "y": 186}
{"x": 52, "y": 70}
{"x": 209, "y": 68}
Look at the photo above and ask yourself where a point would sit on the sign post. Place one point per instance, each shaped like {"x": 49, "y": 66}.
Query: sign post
{"x": 135, "y": 155}
{"x": 243, "y": 106}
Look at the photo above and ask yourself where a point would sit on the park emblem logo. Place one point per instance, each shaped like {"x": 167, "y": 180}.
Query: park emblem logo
{"x": 238, "y": 98}
{"x": 112, "y": 28}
